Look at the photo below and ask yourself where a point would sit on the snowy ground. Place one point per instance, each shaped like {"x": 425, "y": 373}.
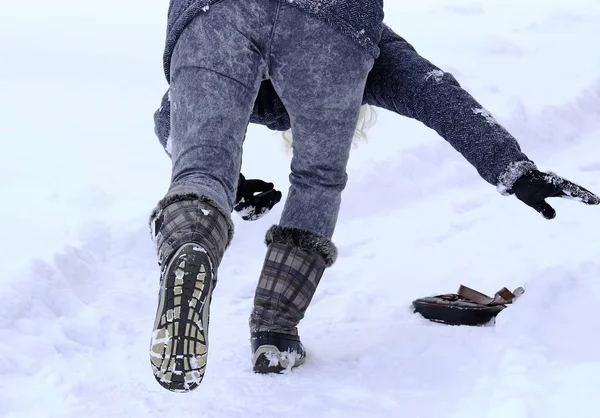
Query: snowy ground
{"x": 81, "y": 170}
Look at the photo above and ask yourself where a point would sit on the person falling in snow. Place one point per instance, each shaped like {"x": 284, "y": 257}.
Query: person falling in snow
{"x": 317, "y": 55}
{"x": 403, "y": 82}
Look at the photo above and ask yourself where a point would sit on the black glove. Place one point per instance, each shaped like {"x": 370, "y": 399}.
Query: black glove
{"x": 255, "y": 198}
{"x": 534, "y": 186}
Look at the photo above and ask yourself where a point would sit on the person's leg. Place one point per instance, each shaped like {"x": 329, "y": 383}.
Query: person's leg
{"x": 216, "y": 70}
{"x": 320, "y": 76}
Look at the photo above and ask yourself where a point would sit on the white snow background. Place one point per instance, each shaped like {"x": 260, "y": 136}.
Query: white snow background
{"x": 81, "y": 170}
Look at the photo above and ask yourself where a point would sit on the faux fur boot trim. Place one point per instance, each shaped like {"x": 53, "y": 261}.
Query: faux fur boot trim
{"x": 305, "y": 240}
{"x": 177, "y": 197}
{"x": 513, "y": 172}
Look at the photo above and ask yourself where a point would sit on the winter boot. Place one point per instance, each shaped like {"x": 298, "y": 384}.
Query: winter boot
{"x": 293, "y": 267}
{"x": 191, "y": 235}
{"x": 274, "y": 352}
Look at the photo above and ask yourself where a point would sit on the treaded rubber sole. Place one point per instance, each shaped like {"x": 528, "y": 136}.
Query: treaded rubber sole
{"x": 179, "y": 346}
{"x": 268, "y": 359}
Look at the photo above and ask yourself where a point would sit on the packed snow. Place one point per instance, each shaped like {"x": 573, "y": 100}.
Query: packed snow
{"x": 82, "y": 170}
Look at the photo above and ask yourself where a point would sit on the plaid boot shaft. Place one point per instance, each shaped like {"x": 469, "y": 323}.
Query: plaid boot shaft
{"x": 182, "y": 219}
{"x": 288, "y": 281}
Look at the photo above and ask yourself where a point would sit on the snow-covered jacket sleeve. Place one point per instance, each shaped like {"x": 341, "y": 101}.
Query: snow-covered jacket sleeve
{"x": 404, "y": 82}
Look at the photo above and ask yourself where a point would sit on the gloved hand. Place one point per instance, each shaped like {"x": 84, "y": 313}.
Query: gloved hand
{"x": 535, "y": 186}
{"x": 255, "y": 198}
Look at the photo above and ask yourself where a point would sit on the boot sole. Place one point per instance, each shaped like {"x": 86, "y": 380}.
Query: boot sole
{"x": 268, "y": 359}
{"x": 179, "y": 346}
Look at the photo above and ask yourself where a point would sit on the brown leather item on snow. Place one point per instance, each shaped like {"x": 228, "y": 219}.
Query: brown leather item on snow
{"x": 502, "y": 296}
{"x": 466, "y": 307}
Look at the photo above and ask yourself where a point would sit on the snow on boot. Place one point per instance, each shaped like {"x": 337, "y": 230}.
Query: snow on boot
{"x": 293, "y": 266}
{"x": 191, "y": 235}
{"x": 274, "y": 352}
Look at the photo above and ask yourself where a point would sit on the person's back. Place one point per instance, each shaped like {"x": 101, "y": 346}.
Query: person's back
{"x": 317, "y": 55}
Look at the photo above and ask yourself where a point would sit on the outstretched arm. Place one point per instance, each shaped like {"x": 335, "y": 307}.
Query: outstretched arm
{"x": 404, "y": 82}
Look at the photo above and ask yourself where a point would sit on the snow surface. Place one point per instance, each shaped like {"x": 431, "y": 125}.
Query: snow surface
{"x": 82, "y": 170}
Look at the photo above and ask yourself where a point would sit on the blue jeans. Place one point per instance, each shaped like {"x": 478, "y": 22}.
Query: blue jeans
{"x": 217, "y": 66}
